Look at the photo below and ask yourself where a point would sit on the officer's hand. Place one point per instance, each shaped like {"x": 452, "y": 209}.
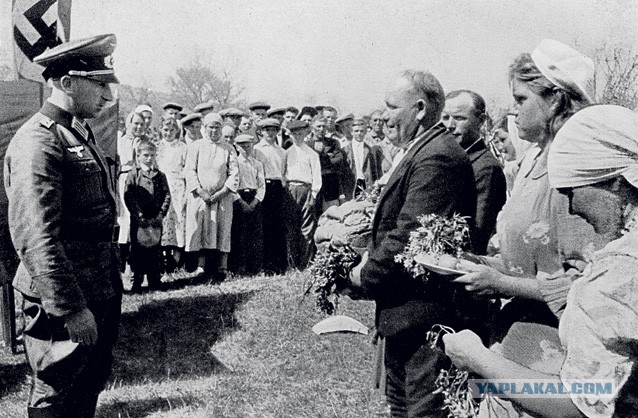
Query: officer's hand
{"x": 82, "y": 327}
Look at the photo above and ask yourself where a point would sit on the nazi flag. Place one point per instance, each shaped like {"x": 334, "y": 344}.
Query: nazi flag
{"x": 37, "y": 26}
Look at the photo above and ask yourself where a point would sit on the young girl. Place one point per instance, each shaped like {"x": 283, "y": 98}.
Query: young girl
{"x": 147, "y": 198}
{"x": 171, "y": 157}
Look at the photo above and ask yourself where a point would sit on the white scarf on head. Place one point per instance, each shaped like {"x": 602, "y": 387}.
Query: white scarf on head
{"x": 596, "y": 144}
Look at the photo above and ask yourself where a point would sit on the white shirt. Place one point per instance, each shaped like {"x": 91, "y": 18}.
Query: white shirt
{"x": 251, "y": 175}
{"x": 358, "y": 155}
{"x": 302, "y": 165}
{"x": 272, "y": 157}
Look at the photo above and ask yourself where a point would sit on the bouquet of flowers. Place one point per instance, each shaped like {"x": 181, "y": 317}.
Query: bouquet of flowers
{"x": 437, "y": 235}
{"x": 330, "y": 272}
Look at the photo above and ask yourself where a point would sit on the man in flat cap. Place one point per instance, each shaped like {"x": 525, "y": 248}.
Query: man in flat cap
{"x": 270, "y": 153}
{"x": 171, "y": 109}
{"x": 344, "y": 128}
{"x": 277, "y": 113}
{"x": 247, "y": 242}
{"x": 332, "y": 160}
{"x": 259, "y": 110}
{"x": 303, "y": 174}
{"x": 62, "y": 215}
{"x": 204, "y": 108}
{"x": 232, "y": 116}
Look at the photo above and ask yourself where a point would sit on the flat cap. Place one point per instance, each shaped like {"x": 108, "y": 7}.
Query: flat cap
{"x": 258, "y": 105}
{"x": 87, "y": 57}
{"x": 269, "y": 122}
{"x": 172, "y": 105}
{"x": 200, "y": 108}
{"x": 276, "y": 111}
{"x": 296, "y": 125}
{"x": 231, "y": 111}
{"x": 344, "y": 118}
{"x": 243, "y": 138}
{"x": 190, "y": 118}
{"x": 212, "y": 118}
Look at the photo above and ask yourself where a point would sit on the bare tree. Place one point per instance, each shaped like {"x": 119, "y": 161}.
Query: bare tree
{"x": 137, "y": 95}
{"x": 198, "y": 82}
{"x": 617, "y": 77}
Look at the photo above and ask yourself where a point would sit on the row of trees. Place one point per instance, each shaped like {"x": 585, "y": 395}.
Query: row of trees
{"x": 199, "y": 81}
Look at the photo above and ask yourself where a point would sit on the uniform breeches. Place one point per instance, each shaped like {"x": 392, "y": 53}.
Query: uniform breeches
{"x": 67, "y": 377}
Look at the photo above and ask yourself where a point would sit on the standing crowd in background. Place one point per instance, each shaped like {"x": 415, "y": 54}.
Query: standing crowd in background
{"x": 247, "y": 187}
{"x": 550, "y": 196}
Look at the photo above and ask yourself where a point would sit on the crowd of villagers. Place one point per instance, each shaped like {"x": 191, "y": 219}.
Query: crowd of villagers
{"x": 241, "y": 191}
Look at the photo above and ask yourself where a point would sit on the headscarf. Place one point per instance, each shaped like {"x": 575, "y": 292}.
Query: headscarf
{"x": 566, "y": 68}
{"x": 596, "y": 144}
{"x": 129, "y": 122}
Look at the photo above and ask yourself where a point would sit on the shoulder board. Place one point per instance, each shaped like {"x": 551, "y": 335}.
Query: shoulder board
{"x": 46, "y": 122}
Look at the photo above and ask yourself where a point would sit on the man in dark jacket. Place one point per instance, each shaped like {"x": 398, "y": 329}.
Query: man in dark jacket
{"x": 463, "y": 116}
{"x": 434, "y": 176}
{"x": 61, "y": 218}
{"x": 363, "y": 162}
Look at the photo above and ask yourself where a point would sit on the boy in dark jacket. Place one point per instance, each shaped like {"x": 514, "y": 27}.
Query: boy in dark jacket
{"x": 147, "y": 198}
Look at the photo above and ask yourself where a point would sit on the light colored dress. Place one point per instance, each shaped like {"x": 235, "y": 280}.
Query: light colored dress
{"x": 536, "y": 233}
{"x": 600, "y": 323}
{"x": 126, "y": 155}
{"x": 171, "y": 159}
{"x": 210, "y": 166}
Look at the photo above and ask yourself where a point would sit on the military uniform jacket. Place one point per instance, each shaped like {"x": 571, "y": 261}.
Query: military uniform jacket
{"x": 61, "y": 213}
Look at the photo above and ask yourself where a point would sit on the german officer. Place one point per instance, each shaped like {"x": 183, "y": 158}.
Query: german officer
{"x": 62, "y": 217}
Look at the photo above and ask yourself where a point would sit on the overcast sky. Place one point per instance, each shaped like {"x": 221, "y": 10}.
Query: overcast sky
{"x": 297, "y": 52}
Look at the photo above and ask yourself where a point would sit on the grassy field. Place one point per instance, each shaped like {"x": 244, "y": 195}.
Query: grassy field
{"x": 240, "y": 349}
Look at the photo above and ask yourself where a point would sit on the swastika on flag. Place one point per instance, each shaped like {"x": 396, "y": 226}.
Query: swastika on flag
{"x": 37, "y": 26}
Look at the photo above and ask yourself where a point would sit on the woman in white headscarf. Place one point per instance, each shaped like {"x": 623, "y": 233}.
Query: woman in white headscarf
{"x": 537, "y": 237}
{"x": 594, "y": 163}
{"x": 135, "y": 132}
{"x": 212, "y": 176}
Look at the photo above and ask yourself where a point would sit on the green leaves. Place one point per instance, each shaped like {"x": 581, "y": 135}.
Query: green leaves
{"x": 330, "y": 272}
{"x": 436, "y": 235}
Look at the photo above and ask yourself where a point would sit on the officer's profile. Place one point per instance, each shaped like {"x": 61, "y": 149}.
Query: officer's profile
{"x": 62, "y": 214}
